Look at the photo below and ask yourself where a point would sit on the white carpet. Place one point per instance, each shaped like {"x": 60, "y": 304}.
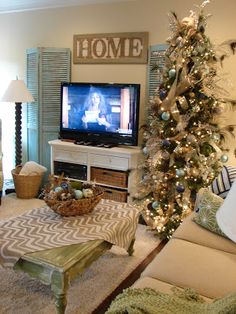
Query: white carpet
{"x": 23, "y": 295}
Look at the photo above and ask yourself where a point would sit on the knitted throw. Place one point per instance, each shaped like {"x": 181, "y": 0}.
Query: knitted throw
{"x": 149, "y": 301}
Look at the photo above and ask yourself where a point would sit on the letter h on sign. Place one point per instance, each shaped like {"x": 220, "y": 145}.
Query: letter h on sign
{"x": 111, "y": 48}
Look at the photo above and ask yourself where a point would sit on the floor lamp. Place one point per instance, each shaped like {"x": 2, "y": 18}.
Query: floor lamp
{"x": 18, "y": 93}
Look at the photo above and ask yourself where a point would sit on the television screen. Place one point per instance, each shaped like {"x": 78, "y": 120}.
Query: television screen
{"x": 101, "y": 113}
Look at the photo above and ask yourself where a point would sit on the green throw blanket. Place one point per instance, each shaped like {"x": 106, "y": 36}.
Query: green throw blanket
{"x": 149, "y": 301}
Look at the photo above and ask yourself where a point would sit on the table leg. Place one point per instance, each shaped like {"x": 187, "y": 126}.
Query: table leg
{"x": 131, "y": 247}
{"x": 59, "y": 287}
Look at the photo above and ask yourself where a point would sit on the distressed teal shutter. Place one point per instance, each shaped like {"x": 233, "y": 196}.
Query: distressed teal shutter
{"x": 46, "y": 69}
{"x": 157, "y": 59}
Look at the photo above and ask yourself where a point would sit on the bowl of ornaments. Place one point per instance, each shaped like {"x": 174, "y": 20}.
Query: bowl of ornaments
{"x": 71, "y": 198}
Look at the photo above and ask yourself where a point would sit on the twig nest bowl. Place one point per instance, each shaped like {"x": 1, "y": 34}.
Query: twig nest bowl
{"x": 68, "y": 199}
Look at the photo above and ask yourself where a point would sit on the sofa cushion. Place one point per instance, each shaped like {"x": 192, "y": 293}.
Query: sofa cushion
{"x": 158, "y": 285}
{"x": 181, "y": 263}
{"x": 192, "y": 232}
{"x": 226, "y": 215}
{"x": 208, "y": 203}
{"x": 223, "y": 182}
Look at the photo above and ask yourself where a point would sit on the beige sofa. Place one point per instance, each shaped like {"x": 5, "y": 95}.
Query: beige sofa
{"x": 193, "y": 258}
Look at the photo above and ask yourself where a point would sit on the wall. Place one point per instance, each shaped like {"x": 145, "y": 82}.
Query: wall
{"x": 56, "y": 27}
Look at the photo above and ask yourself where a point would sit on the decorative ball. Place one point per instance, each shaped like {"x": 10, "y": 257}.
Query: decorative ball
{"x": 179, "y": 39}
{"x": 78, "y": 194}
{"x": 194, "y": 172}
{"x": 216, "y": 137}
{"x": 64, "y": 185}
{"x": 58, "y": 189}
{"x": 224, "y": 158}
{"x": 180, "y": 188}
{"x": 191, "y": 138}
{"x": 180, "y": 172}
{"x": 145, "y": 150}
{"x": 165, "y": 143}
{"x": 65, "y": 196}
{"x": 165, "y": 115}
{"x": 155, "y": 204}
{"x": 87, "y": 193}
{"x": 165, "y": 155}
{"x": 162, "y": 94}
{"x": 172, "y": 73}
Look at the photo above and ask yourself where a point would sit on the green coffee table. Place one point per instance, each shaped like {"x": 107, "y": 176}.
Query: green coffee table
{"x": 58, "y": 266}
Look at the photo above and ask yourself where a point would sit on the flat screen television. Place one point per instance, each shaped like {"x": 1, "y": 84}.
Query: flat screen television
{"x": 100, "y": 113}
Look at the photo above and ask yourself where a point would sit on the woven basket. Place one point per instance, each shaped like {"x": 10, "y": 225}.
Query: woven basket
{"x": 26, "y": 186}
{"x": 76, "y": 207}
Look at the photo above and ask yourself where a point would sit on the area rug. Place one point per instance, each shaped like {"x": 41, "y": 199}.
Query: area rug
{"x": 23, "y": 295}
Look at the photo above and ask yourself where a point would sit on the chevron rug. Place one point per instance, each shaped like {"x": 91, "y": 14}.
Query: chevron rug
{"x": 22, "y": 295}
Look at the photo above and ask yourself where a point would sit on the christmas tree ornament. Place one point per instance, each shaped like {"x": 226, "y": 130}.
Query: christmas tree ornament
{"x": 165, "y": 143}
{"x": 145, "y": 150}
{"x": 165, "y": 115}
{"x": 162, "y": 94}
{"x": 172, "y": 73}
{"x": 191, "y": 139}
{"x": 165, "y": 155}
{"x": 224, "y": 158}
{"x": 155, "y": 204}
{"x": 180, "y": 188}
{"x": 180, "y": 172}
{"x": 194, "y": 172}
{"x": 216, "y": 137}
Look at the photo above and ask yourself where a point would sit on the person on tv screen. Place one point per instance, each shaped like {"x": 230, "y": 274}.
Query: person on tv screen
{"x": 96, "y": 113}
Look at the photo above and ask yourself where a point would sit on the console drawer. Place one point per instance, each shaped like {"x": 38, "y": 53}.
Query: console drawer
{"x": 71, "y": 156}
{"x": 107, "y": 161}
{"x": 110, "y": 177}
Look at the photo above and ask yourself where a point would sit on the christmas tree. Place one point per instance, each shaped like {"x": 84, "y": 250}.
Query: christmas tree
{"x": 184, "y": 141}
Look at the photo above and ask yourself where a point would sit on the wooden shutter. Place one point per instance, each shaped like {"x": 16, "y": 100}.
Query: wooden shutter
{"x": 46, "y": 69}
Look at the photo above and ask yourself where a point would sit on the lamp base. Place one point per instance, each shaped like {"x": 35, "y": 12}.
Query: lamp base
{"x": 18, "y": 144}
{"x": 9, "y": 191}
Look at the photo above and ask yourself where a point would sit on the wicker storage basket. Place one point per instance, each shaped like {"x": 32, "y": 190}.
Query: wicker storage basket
{"x": 74, "y": 207}
{"x": 26, "y": 186}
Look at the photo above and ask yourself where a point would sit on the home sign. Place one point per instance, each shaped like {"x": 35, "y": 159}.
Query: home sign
{"x": 111, "y": 48}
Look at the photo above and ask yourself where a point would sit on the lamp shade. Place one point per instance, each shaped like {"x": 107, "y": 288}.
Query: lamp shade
{"x": 17, "y": 92}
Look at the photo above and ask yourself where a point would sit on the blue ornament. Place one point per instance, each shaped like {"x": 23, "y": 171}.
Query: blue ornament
{"x": 180, "y": 172}
{"x": 180, "y": 188}
{"x": 165, "y": 115}
{"x": 162, "y": 94}
{"x": 224, "y": 158}
{"x": 64, "y": 185}
{"x": 155, "y": 205}
{"x": 58, "y": 189}
{"x": 165, "y": 143}
{"x": 145, "y": 150}
{"x": 172, "y": 73}
{"x": 78, "y": 194}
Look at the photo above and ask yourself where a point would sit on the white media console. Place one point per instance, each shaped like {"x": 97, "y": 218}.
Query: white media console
{"x": 116, "y": 169}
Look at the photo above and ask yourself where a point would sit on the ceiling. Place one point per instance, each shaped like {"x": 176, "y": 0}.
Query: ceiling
{"x": 7, "y": 6}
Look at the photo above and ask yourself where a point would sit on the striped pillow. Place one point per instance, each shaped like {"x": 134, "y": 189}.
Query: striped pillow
{"x": 222, "y": 184}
